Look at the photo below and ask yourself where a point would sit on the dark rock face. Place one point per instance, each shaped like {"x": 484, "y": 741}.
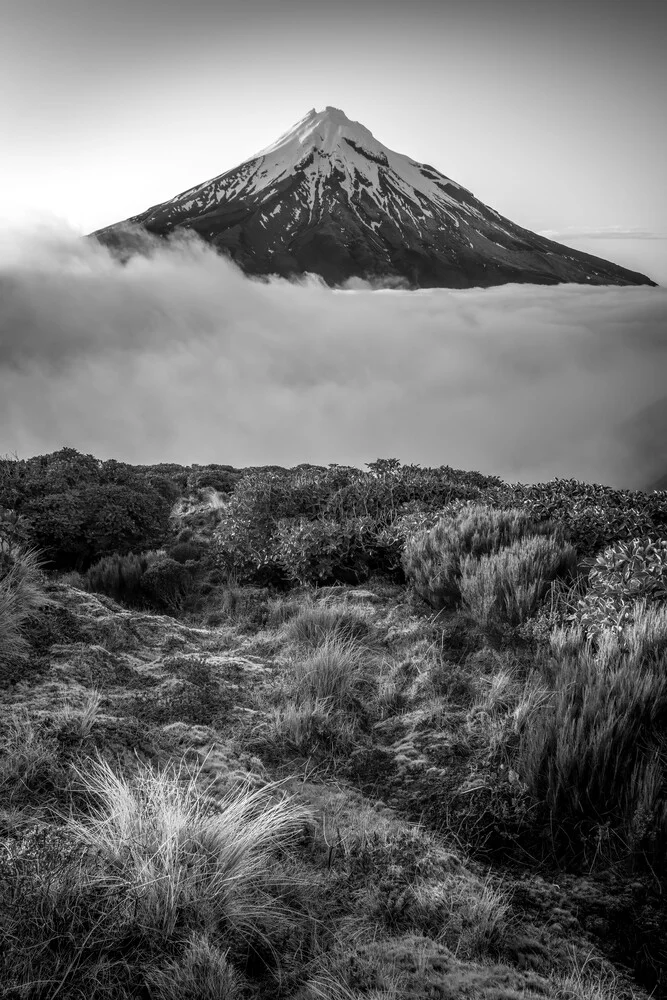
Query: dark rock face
{"x": 329, "y": 199}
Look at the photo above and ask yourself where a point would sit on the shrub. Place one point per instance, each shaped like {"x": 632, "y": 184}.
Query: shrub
{"x": 77, "y": 508}
{"x": 623, "y": 574}
{"x": 432, "y": 559}
{"x": 323, "y": 551}
{"x": 168, "y": 583}
{"x": 119, "y": 577}
{"x": 507, "y": 586}
{"x": 185, "y": 551}
{"x": 593, "y": 515}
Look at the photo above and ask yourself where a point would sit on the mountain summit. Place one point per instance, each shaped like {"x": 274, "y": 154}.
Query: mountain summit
{"x": 328, "y": 198}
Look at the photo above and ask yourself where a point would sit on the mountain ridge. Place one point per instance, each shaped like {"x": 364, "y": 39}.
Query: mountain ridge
{"x": 328, "y": 198}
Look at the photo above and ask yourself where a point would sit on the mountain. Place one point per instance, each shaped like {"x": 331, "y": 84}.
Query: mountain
{"x": 329, "y": 199}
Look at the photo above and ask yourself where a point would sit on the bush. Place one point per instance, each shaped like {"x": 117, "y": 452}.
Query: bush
{"x": 167, "y": 583}
{"x": 186, "y": 551}
{"x": 432, "y": 559}
{"x": 77, "y": 508}
{"x": 507, "y": 587}
{"x": 593, "y": 515}
{"x": 119, "y": 577}
{"x": 323, "y": 551}
{"x": 623, "y": 574}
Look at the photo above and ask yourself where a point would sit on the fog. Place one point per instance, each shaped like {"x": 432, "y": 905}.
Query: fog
{"x": 175, "y": 356}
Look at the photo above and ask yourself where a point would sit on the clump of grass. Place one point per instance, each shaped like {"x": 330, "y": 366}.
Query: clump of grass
{"x": 21, "y": 599}
{"x": 331, "y": 673}
{"x": 178, "y": 861}
{"x": 80, "y": 722}
{"x": 201, "y": 972}
{"x": 595, "y": 752}
{"x": 281, "y": 610}
{"x": 317, "y": 623}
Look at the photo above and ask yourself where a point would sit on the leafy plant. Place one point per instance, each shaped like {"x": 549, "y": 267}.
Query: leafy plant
{"x": 624, "y": 573}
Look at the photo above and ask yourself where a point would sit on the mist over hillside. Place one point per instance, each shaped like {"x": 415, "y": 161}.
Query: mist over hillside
{"x": 177, "y": 356}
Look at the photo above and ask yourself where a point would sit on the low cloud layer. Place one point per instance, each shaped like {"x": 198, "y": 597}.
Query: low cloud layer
{"x": 176, "y": 356}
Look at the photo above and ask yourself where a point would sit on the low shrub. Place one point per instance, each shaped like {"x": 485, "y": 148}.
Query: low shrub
{"x": 432, "y": 559}
{"x": 507, "y": 587}
{"x": 119, "y": 577}
{"x": 168, "y": 583}
{"x": 624, "y": 573}
{"x": 186, "y": 551}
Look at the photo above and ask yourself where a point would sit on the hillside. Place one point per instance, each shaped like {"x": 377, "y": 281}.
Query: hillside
{"x": 361, "y": 802}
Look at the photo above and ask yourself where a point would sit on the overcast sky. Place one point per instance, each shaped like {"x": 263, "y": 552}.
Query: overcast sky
{"x": 550, "y": 111}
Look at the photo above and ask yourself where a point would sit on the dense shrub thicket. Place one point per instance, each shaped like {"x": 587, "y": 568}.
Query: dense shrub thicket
{"x": 77, "y": 508}
{"x": 337, "y": 524}
{"x": 151, "y": 578}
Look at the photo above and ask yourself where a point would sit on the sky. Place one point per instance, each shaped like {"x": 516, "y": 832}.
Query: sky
{"x": 551, "y": 112}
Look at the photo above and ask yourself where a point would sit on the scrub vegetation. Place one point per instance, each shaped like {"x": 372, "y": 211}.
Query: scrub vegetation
{"x": 329, "y": 733}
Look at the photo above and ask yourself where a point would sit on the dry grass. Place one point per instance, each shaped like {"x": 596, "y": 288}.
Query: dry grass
{"x": 178, "y": 861}
{"x": 595, "y": 743}
{"x": 317, "y": 623}
{"x": 21, "y": 598}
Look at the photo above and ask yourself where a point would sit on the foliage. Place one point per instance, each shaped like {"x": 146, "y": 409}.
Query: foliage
{"x": 77, "y": 508}
{"x": 167, "y": 583}
{"x": 432, "y": 559}
{"x": 623, "y": 574}
{"x": 285, "y": 524}
{"x": 21, "y": 599}
{"x": 507, "y": 586}
{"x": 186, "y": 551}
{"x": 592, "y": 751}
{"x": 120, "y": 577}
{"x": 594, "y": 515}
{"x": 324, "y": 551}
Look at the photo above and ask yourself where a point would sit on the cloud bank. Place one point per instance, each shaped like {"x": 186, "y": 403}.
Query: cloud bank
{"x": 175, "y": 356}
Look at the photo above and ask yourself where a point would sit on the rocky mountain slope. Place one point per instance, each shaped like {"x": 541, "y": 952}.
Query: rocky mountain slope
{"x": 328, "y": 198}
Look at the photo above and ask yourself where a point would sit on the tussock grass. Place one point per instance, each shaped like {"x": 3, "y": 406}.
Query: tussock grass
{"x": 21, "y": 599}
{"x": 317, "y": 623}
{"x": 300, "y": 722}
{"x": 596, "y": 749}
{"x": 26, "y": 759}
{"x": 201, "y": 972}
{"x": 177, "y": 861}
{"x": 81, "y": 721}
{"x": 331, "y": 673}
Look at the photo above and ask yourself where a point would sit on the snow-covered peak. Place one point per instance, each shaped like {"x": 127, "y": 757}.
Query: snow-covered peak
{"x": 320, "y": 130}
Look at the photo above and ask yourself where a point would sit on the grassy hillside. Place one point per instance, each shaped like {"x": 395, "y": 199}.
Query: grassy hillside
{"x": 325, "y": 733}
